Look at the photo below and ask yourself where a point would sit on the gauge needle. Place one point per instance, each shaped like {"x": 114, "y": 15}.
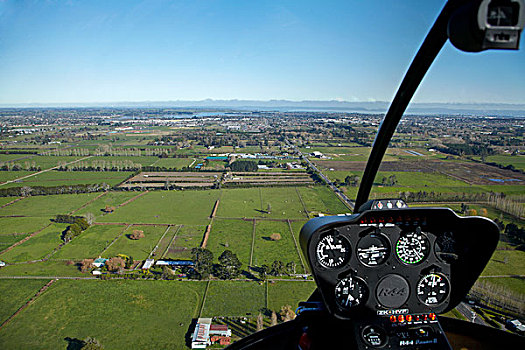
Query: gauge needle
{"x": 349, "y": 299}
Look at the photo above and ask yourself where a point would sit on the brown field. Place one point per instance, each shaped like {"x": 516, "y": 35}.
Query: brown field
{"x": 409, "y": 166}
{"x": 475, "y": 173}
{"x": 179, "y": 179}
{"x": 268, "y": 178}
{"x": 472, "y": 173}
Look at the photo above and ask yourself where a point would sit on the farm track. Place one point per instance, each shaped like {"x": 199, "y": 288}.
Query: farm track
{"x": 116, "y": 238}
{"x": 171, "y": 241}
{"x": 297, "y": 246}
{"x": 25, "y": 239}
{"x": 204, "y": 298}
{"x": 43, "y": 171}
{"x": 160, "y": 240}
{"x": 302, "y": 203}
{"x": 134, "y": 198}
{"x": 253, "y": 242}
{"x": 89, "y": 202}
{"x": 258, "y": 218}
{"x": 42, "y": 290}
{"x": 12, "y": 202}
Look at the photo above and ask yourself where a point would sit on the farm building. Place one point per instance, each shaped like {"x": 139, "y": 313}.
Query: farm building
{"x": 175, "y": 263}
{"x": 200, "y": 338}
{"x": 99, "y": 262}
{"x": 148, "y": 264}
{"x": 220, "y": 330}
{"x": 206, "y": 334}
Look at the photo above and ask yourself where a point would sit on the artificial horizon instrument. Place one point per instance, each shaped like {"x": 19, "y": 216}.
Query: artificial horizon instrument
{"x": 385, "y": 273}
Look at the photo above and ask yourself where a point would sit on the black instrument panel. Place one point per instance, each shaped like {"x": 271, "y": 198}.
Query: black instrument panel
{"x": 398, "y": 261}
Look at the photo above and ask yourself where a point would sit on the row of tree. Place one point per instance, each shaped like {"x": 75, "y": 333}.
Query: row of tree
{"x": 244, "y": 165}
{"x": 78, "y": 226}
{"x": 25, "y": 191}
{"x": 229, "y": 266}
{"x": 27, "y": 166}
{"x": 100, "y": 165}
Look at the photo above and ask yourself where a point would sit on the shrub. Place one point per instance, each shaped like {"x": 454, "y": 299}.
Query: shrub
{"x": 137, "y": 234}
{"x": 275, "y": 236}
{"x": 115, "y": 264}
{"x": 86, "y": 265}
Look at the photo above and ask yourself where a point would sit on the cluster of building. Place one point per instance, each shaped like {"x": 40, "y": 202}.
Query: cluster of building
{"x": 206, "y": 334}
{"x": 148, "y": 264}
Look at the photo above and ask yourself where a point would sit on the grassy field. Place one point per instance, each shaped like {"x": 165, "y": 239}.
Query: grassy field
{"x": 50, "y": 268}
{"x": 405, "y": 179}
{"x": 242, "y": 202}
{"x": 41, "y": 206}
{"x": 8, "y": 239}
{"x": 188, "y": 237}
{"x": 518, "y": 161}
{"x": 506, "y": 262}
{"x": 6, "y": 200}
{"x": 320, "y": 199}
{"x": 14, "y": 293}
{"x": 167, "y": 207}
{"x": 235, "y": 235}
{"x": 90, "y": 243}
{"x": 253, "y": 202}
{"x": 176, "y": 163}
{"x": 266, "y": 251}
{"x": 282, "y": 293}
{"x": 138, "y": 249}
{"x": 234, "y": 298}
{"x": 22, "y": 224}
{"x": 36, "y": 247}
{"x": 109, "y": 199}
{"x": 120, "y": 314}
{"x": 61, "y": 178}
{"x": 11, "y": 175}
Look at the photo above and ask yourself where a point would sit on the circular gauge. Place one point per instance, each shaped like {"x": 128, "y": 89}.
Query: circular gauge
{"x": 373, "y": 249}
{"x": 445, "y": 247}
{"x": 432, "y": 289}
{"x": 332, "y": 251}
{"x": 350, "y": 292}
{"x": 412, "y": 247}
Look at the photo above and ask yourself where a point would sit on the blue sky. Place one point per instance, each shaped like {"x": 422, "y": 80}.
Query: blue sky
{"x": 109, "y": 51}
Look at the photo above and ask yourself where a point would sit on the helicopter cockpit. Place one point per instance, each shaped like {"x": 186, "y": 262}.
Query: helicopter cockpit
{"x": 385, "y": 273}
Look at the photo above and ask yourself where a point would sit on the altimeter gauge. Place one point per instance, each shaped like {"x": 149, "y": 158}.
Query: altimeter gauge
{"x": 350, "y": 292}
{"x": 433, "y": 289}
{"x": 412, "y": 247}
{"x": 373, "y": 249}
{"x": 332, "y": 251}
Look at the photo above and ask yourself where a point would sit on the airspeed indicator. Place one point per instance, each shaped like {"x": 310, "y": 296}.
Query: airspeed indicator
{"x": 332, "y": 251}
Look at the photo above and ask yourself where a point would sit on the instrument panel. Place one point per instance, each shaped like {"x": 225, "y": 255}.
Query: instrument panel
{"x": 398, "y": 261}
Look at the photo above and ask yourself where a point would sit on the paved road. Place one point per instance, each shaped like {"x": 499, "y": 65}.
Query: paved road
{"x": 333, "y": 187}
{"x": 467, "y": 311}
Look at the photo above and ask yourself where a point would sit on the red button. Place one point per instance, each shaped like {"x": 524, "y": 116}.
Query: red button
{"x": 401, "y": 318}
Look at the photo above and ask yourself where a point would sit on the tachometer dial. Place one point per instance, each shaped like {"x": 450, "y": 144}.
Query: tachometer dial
{"x": 333, "y": 251}
{"x": 412, "y": 247}
{"x": 432, "y": 289}
{"x": 350, "y": 292}
{"x": 373, "y": 249}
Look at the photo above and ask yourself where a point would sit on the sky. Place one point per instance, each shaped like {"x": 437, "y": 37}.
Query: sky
{"x": 155, "y": 50}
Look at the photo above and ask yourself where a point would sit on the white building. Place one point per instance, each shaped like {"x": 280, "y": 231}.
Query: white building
{"x": 201, "y": 335}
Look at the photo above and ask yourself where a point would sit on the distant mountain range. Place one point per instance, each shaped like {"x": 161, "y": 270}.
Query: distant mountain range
{"x": 496, "y": 109}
